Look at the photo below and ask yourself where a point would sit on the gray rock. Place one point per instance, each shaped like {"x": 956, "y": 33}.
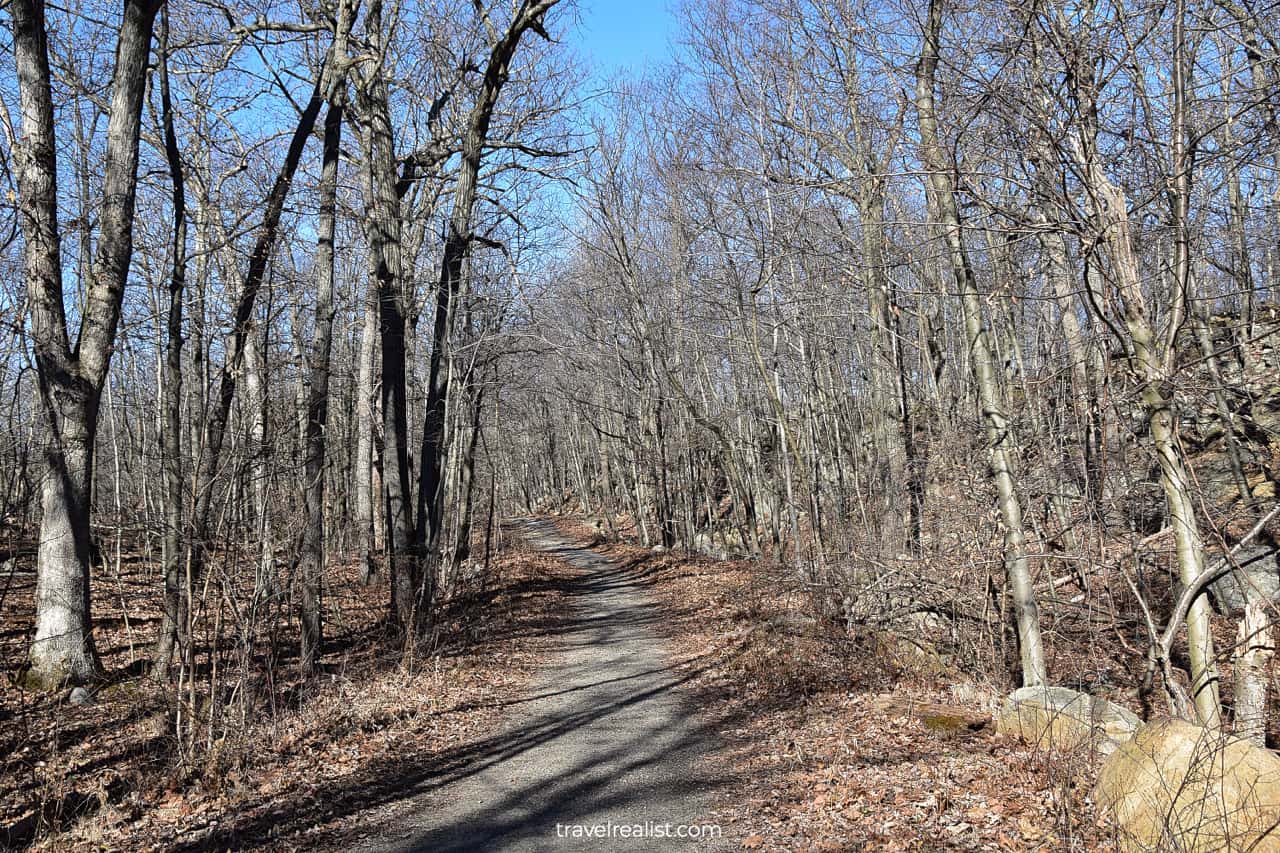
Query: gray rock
{"x": 718, "y": 544}
{"x": 1061, "y": 718}
{"x": 704, "y": 543}
{"x": 1259, "y": 575}
{"x": 81, "y": 696}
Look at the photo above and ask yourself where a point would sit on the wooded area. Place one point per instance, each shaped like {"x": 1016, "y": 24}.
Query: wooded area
{"x": 961, "y": 315}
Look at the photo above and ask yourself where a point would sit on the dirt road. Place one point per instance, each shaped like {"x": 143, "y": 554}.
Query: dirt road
{"x": 604, "y": 754}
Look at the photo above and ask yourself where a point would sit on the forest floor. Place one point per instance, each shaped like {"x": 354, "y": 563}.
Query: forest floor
{"x": 300, "y": 765}
{"x": 804, "y": 738}
{"x": 816, "y": 724}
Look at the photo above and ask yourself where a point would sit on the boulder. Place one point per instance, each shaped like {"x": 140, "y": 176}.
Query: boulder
{"x": 705, "y": 544}
{"x": 1259, "y": 575}
{"x": 1066, "y": 719}
{"x": 1179, "y": 786}
{"x": 719, "y": 544}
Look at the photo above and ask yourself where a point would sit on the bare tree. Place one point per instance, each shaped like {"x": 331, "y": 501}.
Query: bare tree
{"x": 529, "y": 15}
{"x": 999, "y": 430}
{"x": 311, "y": 557}
{"x": 208, "y": 468}
{"x": 71, "y": 377}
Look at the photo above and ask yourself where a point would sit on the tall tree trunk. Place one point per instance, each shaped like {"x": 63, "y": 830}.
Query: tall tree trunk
{"x": 171, "y": 427}
{"x": 220, "y": 411}
{"x": 383, "y": 227}
{"x": 362, "y": 471}
{"x": 886, "y": 404}
{"x": 311, "y": 557}
{"x": 1110, "y": 210}
{"x": 915, "y": 465}
{"x": 255, "y": 386}
{"x": 458, "y": 240}
{"x": 70, "y": 380}
{"x": 999, "y": 430}
{"x": 467, "y": 473}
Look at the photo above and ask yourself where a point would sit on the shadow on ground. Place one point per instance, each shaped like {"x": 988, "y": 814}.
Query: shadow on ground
{"x": 605, "y": 734}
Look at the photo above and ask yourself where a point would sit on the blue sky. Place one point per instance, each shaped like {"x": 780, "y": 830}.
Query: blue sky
{"x": 620, "y": 35}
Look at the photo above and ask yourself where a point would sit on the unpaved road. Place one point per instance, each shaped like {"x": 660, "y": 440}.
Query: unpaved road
{"x": 604, "y": 744}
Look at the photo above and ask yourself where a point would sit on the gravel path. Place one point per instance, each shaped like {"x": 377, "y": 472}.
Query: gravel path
{"x": 603, "y": 748}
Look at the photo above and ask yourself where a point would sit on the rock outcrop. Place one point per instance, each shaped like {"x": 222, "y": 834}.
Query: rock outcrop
{"x": 1259, "y": 575}
{"x": 1177, "y": 786}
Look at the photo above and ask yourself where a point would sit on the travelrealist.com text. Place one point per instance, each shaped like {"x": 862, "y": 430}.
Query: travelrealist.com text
{"x": 647, "y": 829}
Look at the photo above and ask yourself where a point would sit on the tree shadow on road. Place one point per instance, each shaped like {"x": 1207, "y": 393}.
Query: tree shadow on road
{"x": 646, "y": 769}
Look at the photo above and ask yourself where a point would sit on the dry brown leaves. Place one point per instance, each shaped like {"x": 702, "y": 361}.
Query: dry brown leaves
{"x": 817, "y": 768}
{"x": 311, "y": 760}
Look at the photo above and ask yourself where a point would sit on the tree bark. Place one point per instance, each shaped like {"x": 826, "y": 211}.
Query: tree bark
{"x": 70, "y": 380}
{"x": 171, "y": 427}
{"x": 1254, "y": 651}
{"x": 999, "y": 430}
{"x": 311, "y": 556}
{"x": 362, "y": 471}
{"x": 255, "y": 387}
{"x": 383, "y": 227}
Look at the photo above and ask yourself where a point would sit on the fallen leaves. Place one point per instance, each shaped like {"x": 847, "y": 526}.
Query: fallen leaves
{"x": 822, "y": 767}
{"x": 286, "y": 775}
